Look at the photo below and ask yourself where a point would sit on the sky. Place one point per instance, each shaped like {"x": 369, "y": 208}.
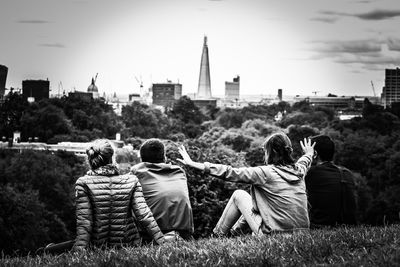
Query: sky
{"x": 304, "y": 47}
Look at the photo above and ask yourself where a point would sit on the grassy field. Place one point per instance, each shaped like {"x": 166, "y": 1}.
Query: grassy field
{"x": 361, "y": 246}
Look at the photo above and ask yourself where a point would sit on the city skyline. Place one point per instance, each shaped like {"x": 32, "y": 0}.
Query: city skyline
{"x": 301, "y": 47}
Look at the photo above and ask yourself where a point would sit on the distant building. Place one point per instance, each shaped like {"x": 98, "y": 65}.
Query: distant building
{"x": 135, "y": 97}
{"x": 80, "y": 95}
{"x": 204, "y": 103}
{"x": 391, "y": 90}
{"x": 204, "y": 87}
{"x": 335, "y": 102}
{"x": 93, "y": 88}
{"x": 36, "y": 90}
{"x": 280, "y": 94}
{"x": 165, "y": 94}
{"x": 3, "y": 80}
{"x": 232, "y": 89}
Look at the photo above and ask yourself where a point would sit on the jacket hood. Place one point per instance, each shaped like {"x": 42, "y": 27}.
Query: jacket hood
{"x": 154, "y": 166}
{"x": 289, "y": 174}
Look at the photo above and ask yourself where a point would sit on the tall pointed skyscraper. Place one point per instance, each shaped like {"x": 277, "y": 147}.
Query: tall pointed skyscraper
{"x": 204, "y": 89}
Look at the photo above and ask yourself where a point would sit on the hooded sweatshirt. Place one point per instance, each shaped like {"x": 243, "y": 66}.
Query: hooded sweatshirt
{"x": 166, "y": 192}
{"x": 278, "y": 192}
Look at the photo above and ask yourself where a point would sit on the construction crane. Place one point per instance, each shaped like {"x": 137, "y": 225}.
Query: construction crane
{"x": 315, "y": 92}
{"x": 140, "y": 82}
{"x": 373, "y": 88}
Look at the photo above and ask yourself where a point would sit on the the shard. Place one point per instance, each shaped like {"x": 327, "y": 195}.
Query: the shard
{"x": 204, "y": 88}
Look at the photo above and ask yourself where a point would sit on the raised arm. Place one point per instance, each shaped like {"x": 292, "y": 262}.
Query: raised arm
{"x": 83, "y": 218}
{"x": 304, "y": 162}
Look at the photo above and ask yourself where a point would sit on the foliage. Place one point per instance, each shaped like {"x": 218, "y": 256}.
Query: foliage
{"x": 10, "y": 114}
{"x": 36, "y": 200}
{"x": 186, "y": 118}
{"x": 142, "y": 121}
{"x": 362, "y": 246}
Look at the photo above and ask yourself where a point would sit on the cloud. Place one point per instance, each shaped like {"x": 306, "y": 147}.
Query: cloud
{"x": 379, "y": 14}
{"x": 351, "y": 47}
{"x": 372, "y": 15}
{"x": 393, "y": 44}
{"x": 325, "y": 19}
{"x": 368, "y": 54}
{"x": 53, "y": 45}
{"x": 33, "y": 21}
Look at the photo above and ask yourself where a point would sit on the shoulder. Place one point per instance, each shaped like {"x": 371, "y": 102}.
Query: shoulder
{"x": 128, "y": 178}
{"x": 137, "y": 167}
{"x": 83, "y": 180}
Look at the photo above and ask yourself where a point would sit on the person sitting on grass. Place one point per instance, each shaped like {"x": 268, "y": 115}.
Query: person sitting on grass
{"x": 108, "y": 206}
{"x": 165, "y": 190}
{"x": 278, "y": 200}
{"x": 330, "y": 188}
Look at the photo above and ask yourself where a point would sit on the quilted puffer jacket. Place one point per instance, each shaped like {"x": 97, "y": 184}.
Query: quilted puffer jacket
{"x": 108, "y": 206}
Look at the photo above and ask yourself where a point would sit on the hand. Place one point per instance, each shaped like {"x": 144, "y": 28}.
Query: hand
{"x": 306, "y": 146}
{"x": 185, "y": 156}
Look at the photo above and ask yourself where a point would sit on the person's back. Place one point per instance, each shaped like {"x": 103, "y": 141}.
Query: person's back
{"x": 165, "y": 189}
{"x": 330, "y": 188}
{"x": 107, "y": 198}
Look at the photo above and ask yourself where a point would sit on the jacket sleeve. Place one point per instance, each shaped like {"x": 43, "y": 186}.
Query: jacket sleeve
{"x": 250, "y": 175}
{"x": 144, "y": 215}
{"x": 84, "y": 219}
{"x": 303, "y": 164}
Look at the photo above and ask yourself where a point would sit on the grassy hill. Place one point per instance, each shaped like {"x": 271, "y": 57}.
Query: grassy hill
{"x": 367, "y": 246}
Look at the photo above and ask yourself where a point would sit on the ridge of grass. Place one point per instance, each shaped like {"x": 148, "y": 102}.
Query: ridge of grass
{"x": 358, "y": 246}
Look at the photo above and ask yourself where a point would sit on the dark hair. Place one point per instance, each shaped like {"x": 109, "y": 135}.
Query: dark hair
{"x": 99, "y": 153}
{"x": 279, "y": 149}
{"x": 152, "y": 151}
{"x": 324, "y": 146}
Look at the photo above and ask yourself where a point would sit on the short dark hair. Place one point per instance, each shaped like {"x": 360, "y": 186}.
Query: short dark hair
{"x": 324, "y": 146}
{"x": 152, "y": 151}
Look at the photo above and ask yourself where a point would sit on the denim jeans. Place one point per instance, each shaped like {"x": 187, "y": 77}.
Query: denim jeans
{"x": 237, "y": 214}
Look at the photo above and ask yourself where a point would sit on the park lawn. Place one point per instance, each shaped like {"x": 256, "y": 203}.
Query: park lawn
{"x": 366, "y": 246}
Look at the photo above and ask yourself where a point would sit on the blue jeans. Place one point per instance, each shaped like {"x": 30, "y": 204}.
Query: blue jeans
{"x": 237, "y": 214}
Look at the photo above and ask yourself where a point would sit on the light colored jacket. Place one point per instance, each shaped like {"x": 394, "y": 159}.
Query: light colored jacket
{"x": 278, "y": 192}
{"x": 108, "y": 206}
{"x": 166, "y": 192}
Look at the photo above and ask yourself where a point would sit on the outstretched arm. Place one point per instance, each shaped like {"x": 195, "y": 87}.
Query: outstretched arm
{"x": 251, "y": 175}
{"x": 186, "y": 160}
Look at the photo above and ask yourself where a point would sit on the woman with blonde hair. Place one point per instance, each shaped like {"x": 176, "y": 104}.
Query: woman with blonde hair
{"x": 278, "y": 200}
{"x": 108, "y": 206}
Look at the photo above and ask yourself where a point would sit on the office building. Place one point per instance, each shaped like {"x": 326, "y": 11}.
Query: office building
{"x": 3, "y": 80}
{"x": 280, "y": 94}
{"x": 204, "y": 87}
{"x": 165, "y": 94}
{"x": 232, "y": 89}
{"x": 391, "y": 89}
{"x": 35, "y": 90}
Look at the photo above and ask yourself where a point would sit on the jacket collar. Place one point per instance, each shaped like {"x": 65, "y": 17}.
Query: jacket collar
{"x": 107, "y": 170}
